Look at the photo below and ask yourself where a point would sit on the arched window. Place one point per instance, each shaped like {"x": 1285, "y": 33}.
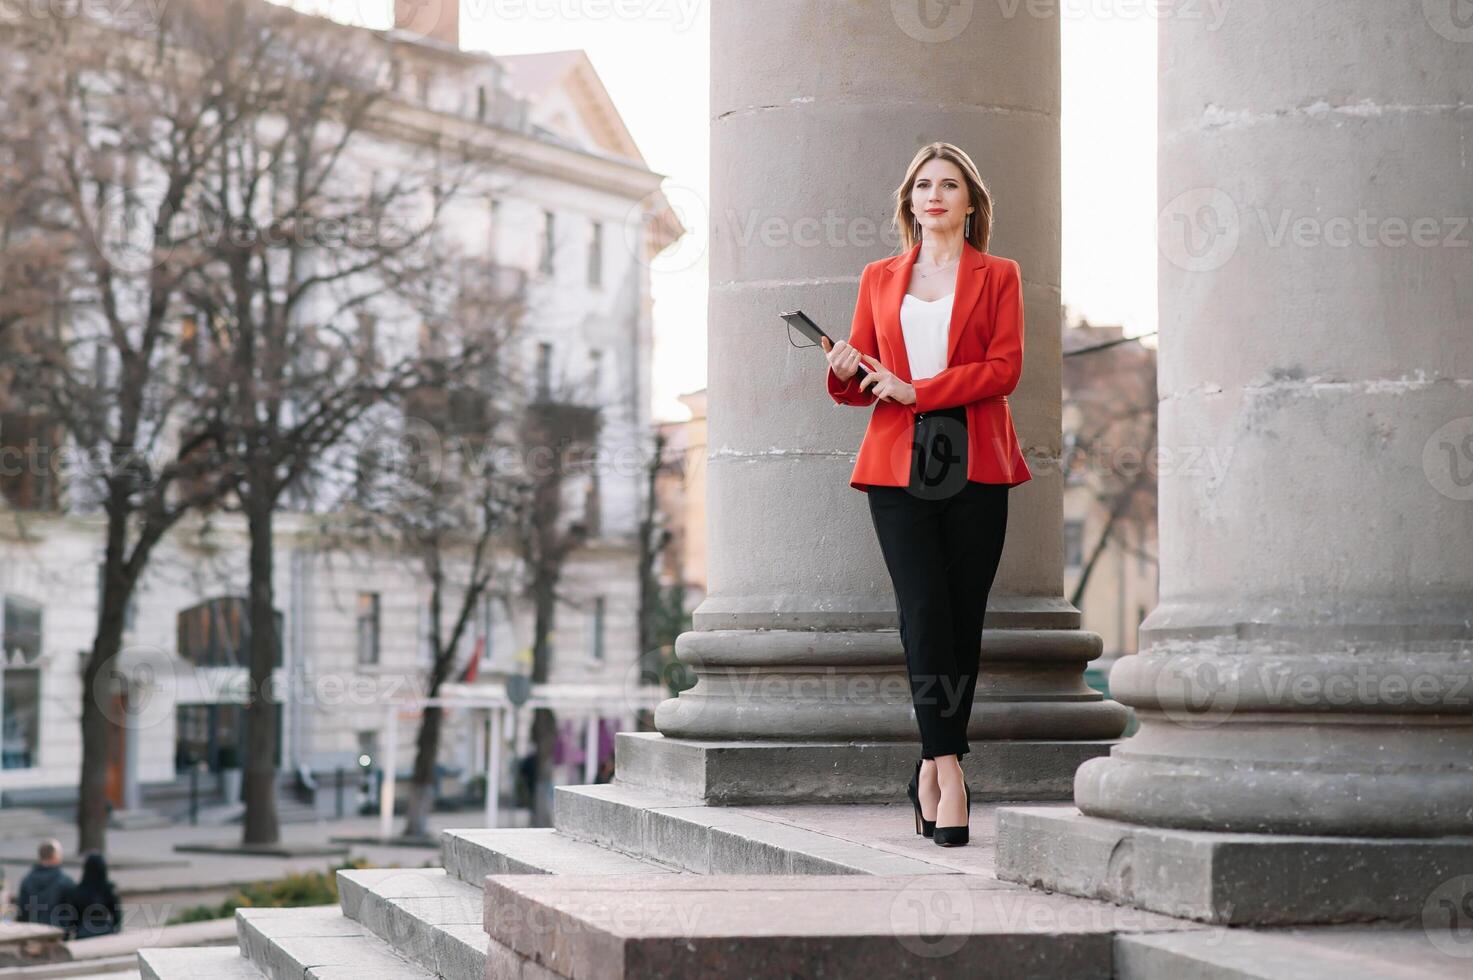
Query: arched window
{"x": 217, "y": 633}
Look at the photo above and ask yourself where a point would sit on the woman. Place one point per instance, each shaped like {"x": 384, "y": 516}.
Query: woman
{"x": 939, "y": 328}
{"x": 93, "y": 902}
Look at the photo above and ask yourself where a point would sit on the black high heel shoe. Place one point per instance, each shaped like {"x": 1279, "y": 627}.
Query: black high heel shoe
{"x": 923, "y": 826}
{"x": 956, "y": 836}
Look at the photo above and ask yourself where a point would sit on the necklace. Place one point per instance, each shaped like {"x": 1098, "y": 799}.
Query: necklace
{"x": 939, "y": 268}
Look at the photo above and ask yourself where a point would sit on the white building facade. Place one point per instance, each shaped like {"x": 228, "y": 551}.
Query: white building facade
{"x": 573, "y": 214}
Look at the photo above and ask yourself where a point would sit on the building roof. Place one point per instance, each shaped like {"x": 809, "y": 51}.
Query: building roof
{"x": 539, "y": 75}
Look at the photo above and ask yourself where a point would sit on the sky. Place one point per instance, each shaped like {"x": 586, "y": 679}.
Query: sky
{"x": 656, "y": 67}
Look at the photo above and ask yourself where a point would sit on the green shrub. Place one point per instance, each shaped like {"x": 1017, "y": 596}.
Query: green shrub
{"x": 294, "y": 890}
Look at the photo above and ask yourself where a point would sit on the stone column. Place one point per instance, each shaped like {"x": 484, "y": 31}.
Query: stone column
{"x": 816, "y": 110}
{"x": 1309, "y": 670}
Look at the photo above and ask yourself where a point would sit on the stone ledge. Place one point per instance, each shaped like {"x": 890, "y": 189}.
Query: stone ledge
{"x": 716, "y": 840}
{"x": 188, "y": 963}
{"x": 1231, "y": 879}
{"x": 285, "y": 944}
{"x": 662, "y": 927}
{"x": 1321, "y": 953}
{"x": 423, "y": 914}
{"x": 722, "y": 773}
{"x": 471, "y": 855}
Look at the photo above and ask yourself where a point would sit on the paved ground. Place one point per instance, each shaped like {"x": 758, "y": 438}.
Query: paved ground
{"x": 155, "y": 881}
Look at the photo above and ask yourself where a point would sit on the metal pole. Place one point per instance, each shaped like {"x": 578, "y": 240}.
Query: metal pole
{"x": 341, "y": 776}
{"x": 590, "y": 748}
{"x": 493, "y": 769}
{"x": 386, "y": 791}
{"x": 194, "y": 795}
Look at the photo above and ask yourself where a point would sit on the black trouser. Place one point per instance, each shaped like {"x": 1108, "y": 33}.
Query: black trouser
{"x": 942, "y": 554}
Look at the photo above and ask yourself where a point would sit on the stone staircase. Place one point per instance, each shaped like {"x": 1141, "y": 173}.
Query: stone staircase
{"x": 406, "y": 922}
{"x": 625, "y": 840}
{"x": 635, "y": 881}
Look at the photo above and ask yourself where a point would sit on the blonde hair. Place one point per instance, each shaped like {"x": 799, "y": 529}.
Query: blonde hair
{"x": 981, "y": 198}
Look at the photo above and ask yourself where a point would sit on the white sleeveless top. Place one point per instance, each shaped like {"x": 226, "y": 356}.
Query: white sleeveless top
{"x": 925, "y": 327}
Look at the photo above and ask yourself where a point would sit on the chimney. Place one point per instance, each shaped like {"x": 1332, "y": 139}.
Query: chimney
{"x": 435, "y": 19}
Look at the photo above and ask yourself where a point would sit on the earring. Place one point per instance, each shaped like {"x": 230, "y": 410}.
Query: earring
{"x": 968, "y": 232}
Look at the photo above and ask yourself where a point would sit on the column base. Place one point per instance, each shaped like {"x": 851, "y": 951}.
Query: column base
{"x": 723, "y": 773}
{"x": 843, "y": 685}
{"x": 1230, "y": 878}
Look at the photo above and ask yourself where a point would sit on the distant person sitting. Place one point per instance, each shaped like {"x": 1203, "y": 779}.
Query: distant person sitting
{"x": 42, "y": 894}
{"x": 92, "y": 904}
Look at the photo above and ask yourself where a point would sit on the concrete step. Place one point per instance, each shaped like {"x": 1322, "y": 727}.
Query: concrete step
{"x": 736, "y": 773}
{"x": 26, "y": 822}
{"x": 1352, "y": 952}
{"x": 705, "y": 839}
{"x": 471, "y": 855}
{"x": 434, "y": 919}
{"x": 194, "y": 963}
{"x": 423, "y": 914}
{"x": 663, "y": 927}
{"x": 141, "y": 818}
{"x": 318, "y": 943}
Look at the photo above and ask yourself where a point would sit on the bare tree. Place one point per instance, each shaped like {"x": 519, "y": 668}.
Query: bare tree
{"x": 445, "y": 508}
{"x": 93, "y": 279}
{"x": 220, "y": 177}
{"x": 1113, "y": 386}
{"x": 558, "y": 436}
{"x": 328, "y": 205}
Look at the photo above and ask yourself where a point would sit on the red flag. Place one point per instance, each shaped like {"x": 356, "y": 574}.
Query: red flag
{"x": 469, "y": 676}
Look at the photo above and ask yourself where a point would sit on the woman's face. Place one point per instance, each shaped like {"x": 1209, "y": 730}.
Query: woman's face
{"x": 939, "y": 198}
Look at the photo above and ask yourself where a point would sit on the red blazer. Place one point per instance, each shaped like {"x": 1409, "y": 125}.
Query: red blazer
{"x": 984, "y": 360}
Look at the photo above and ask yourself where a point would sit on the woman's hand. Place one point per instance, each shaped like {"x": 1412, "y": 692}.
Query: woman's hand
{"x": 843, "y": 359}
{"x": 885, "y": 384}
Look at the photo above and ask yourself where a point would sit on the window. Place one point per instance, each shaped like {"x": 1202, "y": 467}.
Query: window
{"x": 189, "y": 343}
{"x": 367, "y": 342}
{"x": 29, "y": 444}
{"x": 549, "y": 228}
{"x": 596, "y": 629}
{"x": 426, "y": 632}
{"x": 213, "y": 734}
{"x": 20, "y": 718}
{"x": 494, "y": 229}
{"x": 22, "y": 632}
{"x": 368, "y": 628}
{"x": 1073, "y": 544}
{"x": 544, "y": 370}
{"x": 486, "y": 625}
{"x": 596, "y": 254}
{"x": 217, "y": 632}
